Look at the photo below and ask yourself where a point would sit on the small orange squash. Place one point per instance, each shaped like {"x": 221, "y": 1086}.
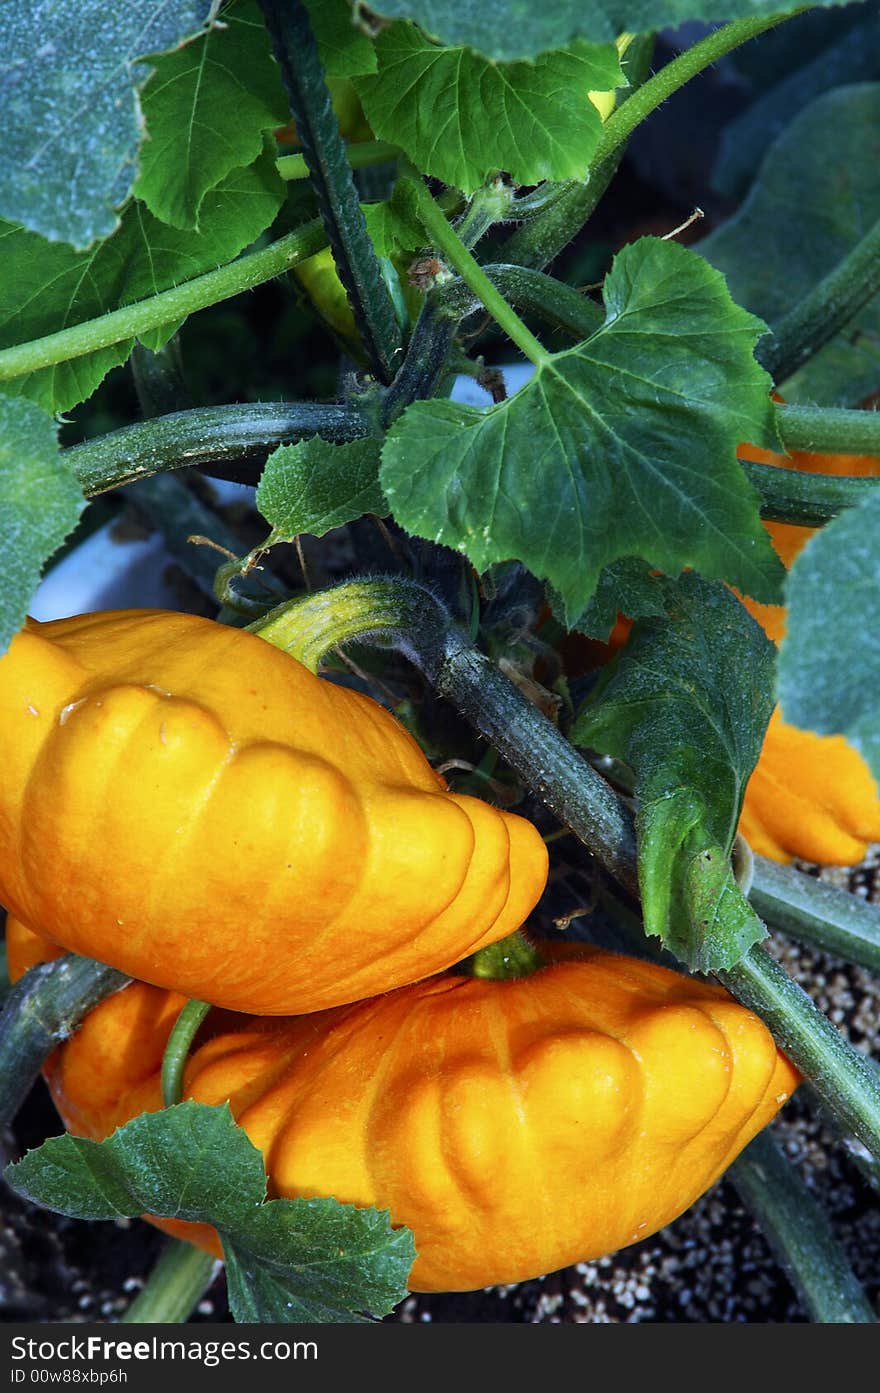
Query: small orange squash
{"x": 186, "y": 803}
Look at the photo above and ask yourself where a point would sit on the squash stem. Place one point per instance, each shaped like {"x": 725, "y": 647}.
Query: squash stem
{"x": 42, "y": 1010}
{"x": 181, "y": 300}
{"x": 324, "y": 152}
{"x": 509, "y": 958}
{"x": 810, "y": 500}
{"x": 227, "y": 439}
{"x": 800, "y": 1235}
{"x": 812, "y": 912}
{"x": 176, "y": 1284}
{"x": 827, "y": 309}
{"x": 177, "y": 1050}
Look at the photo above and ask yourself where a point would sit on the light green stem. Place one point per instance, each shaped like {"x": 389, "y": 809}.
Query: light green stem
{"x": 837, "y": 430}
{"x": 177, "y": 1050}
{"x": 361, "y": 155}
{"x": 176, "y": 1284}
{"x": 168, "y": 305}
{"x": 622, "y": 122}
{"x": 456, "y": 254}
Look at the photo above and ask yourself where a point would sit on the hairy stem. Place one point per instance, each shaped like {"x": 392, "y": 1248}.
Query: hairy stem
{"x": 828, "y": 308}
{"x": 221, "y": 436}
{"x": 177, "y": 303}
{"x": 810, "y": 500}
{"x": 829, "y": 429}
{"x": 622, "y": 122}
{"x": 800, "y": 1235}
{"x": 457, "y": 256}
{"x": 40, "y": 1011}
{"x": 324, "y": 152}
{"x": 812, "y": 912}
{"x": 174, "y": 1287}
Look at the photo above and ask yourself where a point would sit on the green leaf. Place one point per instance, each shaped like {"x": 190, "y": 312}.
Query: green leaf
{"x": 345, "y": 50}
{"x": 622, "y": 446}
{"x": 162, "y": 1163}
{"x": 461, "y": 118}
{"x": 40, "y": 501}
{"x": 816, "y": 195}
{"x": 69, "y": 81}
{"x": 314, "y": 486}
{"x": 829, "y": 660}
{"x": 505, "y": 29}
{"x": 287, "y": 1260}
{"x": 626, "y": 587}
{"x": 206, "y": 108}
{"x": 686, "y": 703}
{"x": 316, "y": 1260}
{"x": 47, "y": 286}
{"x": 393, "y": 225}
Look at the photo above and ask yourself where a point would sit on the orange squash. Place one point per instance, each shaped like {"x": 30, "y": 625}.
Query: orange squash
{"x": 515, "y": 1126}
{"x": 185, "y": 802}
{"x": 811, "y": 796}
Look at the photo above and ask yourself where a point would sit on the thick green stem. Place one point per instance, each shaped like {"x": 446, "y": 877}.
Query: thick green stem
{"x": 177, "y": 1050}
{"x": 338, "y": 202}
{"x": 622, "y": 122}
{"x": 555, "y": 303}
{"x": 810, "y": 500}
{"x": 177, "y": 303}
{"x": 456, "y": 255}
{"x": 560, "y": 210}
{"x": 833, "y": 430}
{"x": 812, "y": 912}
{"x": 512, "y": 957}
{"x": 40, "y": 1011}
{"x": 841, "y": 1077}
{"x": 360, "y": 155}
{"x": 824, "y": 312}
{"x": 220, "y": 436}
{"x": 800, "y": 1235}
{"x": 174, "y": 1287}
{"x": 413, "y": 620}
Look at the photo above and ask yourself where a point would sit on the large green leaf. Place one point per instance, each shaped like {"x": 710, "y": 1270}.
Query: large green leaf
{"x": 69, "y": 80}
{"x": 345, "y": 50}
{"x": 685, "y": 704}
{"x": 47, "y": 286}
{"x": 816, "y": 195}
{"x": 314, "y": 486}
{"x": 461, "y": 118}
{"x": 829, "y": 661}
{"x": 206, "y": 108}
{"x": 622, "y": 446}
{"x": 288, "y": 1260}
{"x": 40, "y": 501}
{"x": 505, "y": 29}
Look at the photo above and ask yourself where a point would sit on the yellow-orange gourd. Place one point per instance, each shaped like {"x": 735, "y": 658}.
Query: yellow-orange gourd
{"x": 811, "y": 796}
{"x": 515, "y": 1126}
{"x": 185, "y": 802}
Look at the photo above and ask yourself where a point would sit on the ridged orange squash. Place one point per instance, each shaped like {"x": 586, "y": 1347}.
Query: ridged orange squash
{"x": 811, "y": 796}
{"x": 185, "y": 802}
{"x": 515, "y": 1126}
